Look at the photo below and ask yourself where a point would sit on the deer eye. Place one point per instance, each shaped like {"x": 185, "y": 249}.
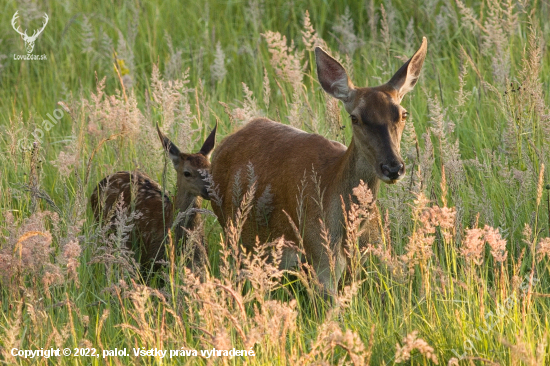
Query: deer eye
{"x": 187, "y": 174}
{"x": 354, "y": 119}
{"x": 404, "y": 115}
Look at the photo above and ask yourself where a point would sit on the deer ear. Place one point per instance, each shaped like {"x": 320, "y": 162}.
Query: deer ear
{"x": 405, "y": 78}
{"x": 209, "y": 143}
{"x": 173, "y": 152}
{"x": 333, "y": 76}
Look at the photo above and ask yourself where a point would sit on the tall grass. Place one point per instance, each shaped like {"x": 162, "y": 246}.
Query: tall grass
{"x": 462, "y": 274}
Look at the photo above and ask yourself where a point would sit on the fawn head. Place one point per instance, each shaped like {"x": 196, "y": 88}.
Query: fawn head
{"x": 377, "y": 117}
{"x": 190, "y": 168}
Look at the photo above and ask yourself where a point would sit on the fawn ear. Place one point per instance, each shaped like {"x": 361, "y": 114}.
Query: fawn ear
{"x": 173, "y": 152}
{"x": 333, "y": 76}
{"x": 405, "y": 78}
{"x": 209, "y": 143}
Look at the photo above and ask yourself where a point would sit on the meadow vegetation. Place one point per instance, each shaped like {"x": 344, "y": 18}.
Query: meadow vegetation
{"x": 462, "y": 274}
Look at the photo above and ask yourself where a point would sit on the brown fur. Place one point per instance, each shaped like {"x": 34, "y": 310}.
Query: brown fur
{"x": 282, "y": 155}
{"x": 143, "y": 195}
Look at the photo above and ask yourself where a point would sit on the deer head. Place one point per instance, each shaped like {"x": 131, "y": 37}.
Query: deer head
{"x": 29, "y": 40}
{"x": 376, "y": 114}
{"x": 190, "y": 167}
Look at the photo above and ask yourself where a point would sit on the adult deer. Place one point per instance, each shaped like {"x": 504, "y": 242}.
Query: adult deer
{"x": 156, "y": 211}
{"x": 29, "y": 40}
{"x": 282, "y": 155}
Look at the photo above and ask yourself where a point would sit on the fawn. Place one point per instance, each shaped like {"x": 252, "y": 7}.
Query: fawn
{"x": 156, "y": 211}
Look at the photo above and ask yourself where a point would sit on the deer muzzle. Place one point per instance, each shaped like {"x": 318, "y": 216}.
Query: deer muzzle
{"x": 393, "y": 171}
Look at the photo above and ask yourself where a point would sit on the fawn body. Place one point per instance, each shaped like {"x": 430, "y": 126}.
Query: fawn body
{"x": 145, "y": 196}
{"x": 282, "y": 156}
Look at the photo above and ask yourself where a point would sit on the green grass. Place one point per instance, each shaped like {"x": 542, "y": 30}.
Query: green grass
{"x": 456, "y": 306}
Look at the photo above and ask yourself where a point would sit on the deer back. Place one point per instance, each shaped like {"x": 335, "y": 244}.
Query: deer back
{"x": 139, "y": 193}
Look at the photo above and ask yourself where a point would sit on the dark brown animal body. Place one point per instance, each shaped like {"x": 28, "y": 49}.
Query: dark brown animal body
{"x": 282, "y": 156}
{"x": 155, "y": 210}
{"x": 140, "y": 194}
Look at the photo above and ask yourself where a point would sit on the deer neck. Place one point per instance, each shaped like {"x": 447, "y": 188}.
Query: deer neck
{"x": 183, "y": 202}
{"x": 352, "y": 168}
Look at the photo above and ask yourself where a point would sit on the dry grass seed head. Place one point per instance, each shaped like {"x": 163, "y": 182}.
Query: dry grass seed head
{"x": 419, "y": 248}
{"x": 330, "y": 337}
{"x": 496, "y": 242}
{"x": 113, "y": 114}
{"x": 473, "y": 245}
{"x": 112, "y": 250}
{"x": 309, "y": 35}
{"x": 410, "y": 343}
{"x": 285, "y": 59}
{"x": 543, "y": 249}
{"x": 29, "y": 250}
{"x": 275, "y": 320}
{"x": 348, "y": 40}
{"x": 261, "y": 268}
{"x": 249, "y": 109}
{"x": 522, "y": 350}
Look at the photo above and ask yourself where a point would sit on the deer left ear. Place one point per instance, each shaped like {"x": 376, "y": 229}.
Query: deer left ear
{"x": 406, "y": 77}
{"x": 170, "y": 148}
{"x": 333, "y": 76}
{"x": 209, "y": 143}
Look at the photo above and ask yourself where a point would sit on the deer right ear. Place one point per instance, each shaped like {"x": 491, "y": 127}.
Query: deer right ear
{"x": 209, "y": 143}
{"x": 333, "y": 76}
{"x": 405, "y": 78}
{"x": 173, "y": 152}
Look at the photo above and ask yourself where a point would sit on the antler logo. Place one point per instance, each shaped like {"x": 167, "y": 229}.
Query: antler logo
{"x": 29, "y": 41}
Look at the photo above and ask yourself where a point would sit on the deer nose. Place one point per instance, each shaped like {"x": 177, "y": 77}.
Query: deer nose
{"x": 205, "y": 194}
{"x": 393, "y": 170}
